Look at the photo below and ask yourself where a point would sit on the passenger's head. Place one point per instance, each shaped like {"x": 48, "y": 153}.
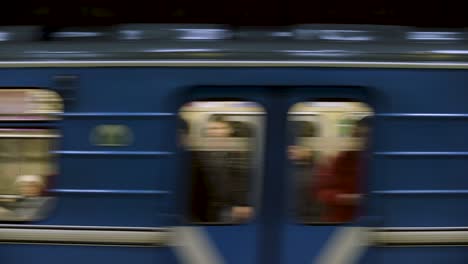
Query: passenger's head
{"x": 303, "y": 129}
{"x": 362, "y": 131}
{"x": 30, "y": 185}
{"x": 361, "y": 128}
{"x": 218, "y": 127}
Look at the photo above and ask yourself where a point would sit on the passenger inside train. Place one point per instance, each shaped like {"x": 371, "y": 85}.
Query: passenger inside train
{"x": 223, "y": 146}
{"x": 328, "y": 141}
{"x": 304, "y": 163}
{"x": 220, "y": 177}
{"x": 30, "y": 204}
{"x": 339, "y": 188}
{"x": 27, "y": 165}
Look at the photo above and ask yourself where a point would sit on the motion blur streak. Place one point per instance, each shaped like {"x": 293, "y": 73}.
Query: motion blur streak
{"x": 345, "y": 246}
{"x": 192, "y": 246}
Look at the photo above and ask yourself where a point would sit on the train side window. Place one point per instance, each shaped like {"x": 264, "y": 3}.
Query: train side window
{"x": 27, "y": 159}
{"x": 327, "y": 170}
{"x": 221, "y": 143}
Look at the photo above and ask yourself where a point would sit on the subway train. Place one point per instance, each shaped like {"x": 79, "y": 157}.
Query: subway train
{"x": 94, "y": 166}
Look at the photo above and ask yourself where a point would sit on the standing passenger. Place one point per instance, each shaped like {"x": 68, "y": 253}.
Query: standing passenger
{"x": 340, "y": 181}
{"x": 223, "y": 176}
{"x": 305, "y": 207}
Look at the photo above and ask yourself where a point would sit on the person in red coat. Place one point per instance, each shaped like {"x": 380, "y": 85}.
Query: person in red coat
{"x": 340, "y": 180}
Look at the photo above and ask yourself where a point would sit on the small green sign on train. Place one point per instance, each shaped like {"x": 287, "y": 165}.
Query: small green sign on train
{"x": 111, "y": 135}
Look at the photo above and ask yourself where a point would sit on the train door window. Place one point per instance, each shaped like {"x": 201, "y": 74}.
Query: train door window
{"x": 27, "y": 160}
{"x": 222, "y": 142}
{"x": 327, "y": 168}
{"x": 347, "y": 122}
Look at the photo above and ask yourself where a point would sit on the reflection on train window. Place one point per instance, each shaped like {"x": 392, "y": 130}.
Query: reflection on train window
{"x": 27, "y": 160}
{"x": 222, "y": 147}
{"x": 327, "y": 170}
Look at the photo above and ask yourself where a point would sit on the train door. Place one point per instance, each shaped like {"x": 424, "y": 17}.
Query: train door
{"x": 326, "y": 176}
{"x": 223, "y": 148}
{"x": 273, "y": 229}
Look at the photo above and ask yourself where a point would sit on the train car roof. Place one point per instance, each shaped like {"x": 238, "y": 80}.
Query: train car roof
{"x": 216, "y": 45}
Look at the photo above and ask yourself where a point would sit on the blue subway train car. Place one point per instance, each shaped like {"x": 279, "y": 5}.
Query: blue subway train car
{"x": 95, "y": 169}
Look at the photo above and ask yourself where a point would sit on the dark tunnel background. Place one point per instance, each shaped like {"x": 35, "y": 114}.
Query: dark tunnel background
{"x": 56, "y": 14}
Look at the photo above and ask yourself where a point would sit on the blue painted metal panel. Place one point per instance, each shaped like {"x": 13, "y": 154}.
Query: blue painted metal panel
{"x": 110, "y": 153}
{"x": 440, "y": 255}
{"x": 26, "y": 254}
{"x": 425, "y": 134}
{"x": 111, "y": 115}
{"x": 424, "y": 210}
{"x": 149, "y": 134}
{"x": 105, "y": 192}
{"x": 373, "y": 255}
{"x": 109, "y": 210}
{"x": 147, "y": 90}
{"x": 303, "y": 243}
{"x": 419, "y": 192}
{"x": 114, "y": 172}
{"x": 236, "y": 243}
{"x": 422, "y": 172}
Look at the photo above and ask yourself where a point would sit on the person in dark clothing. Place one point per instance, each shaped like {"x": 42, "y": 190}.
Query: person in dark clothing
{"x": 303, "y": 161}
{"x": 220, "y": 179}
